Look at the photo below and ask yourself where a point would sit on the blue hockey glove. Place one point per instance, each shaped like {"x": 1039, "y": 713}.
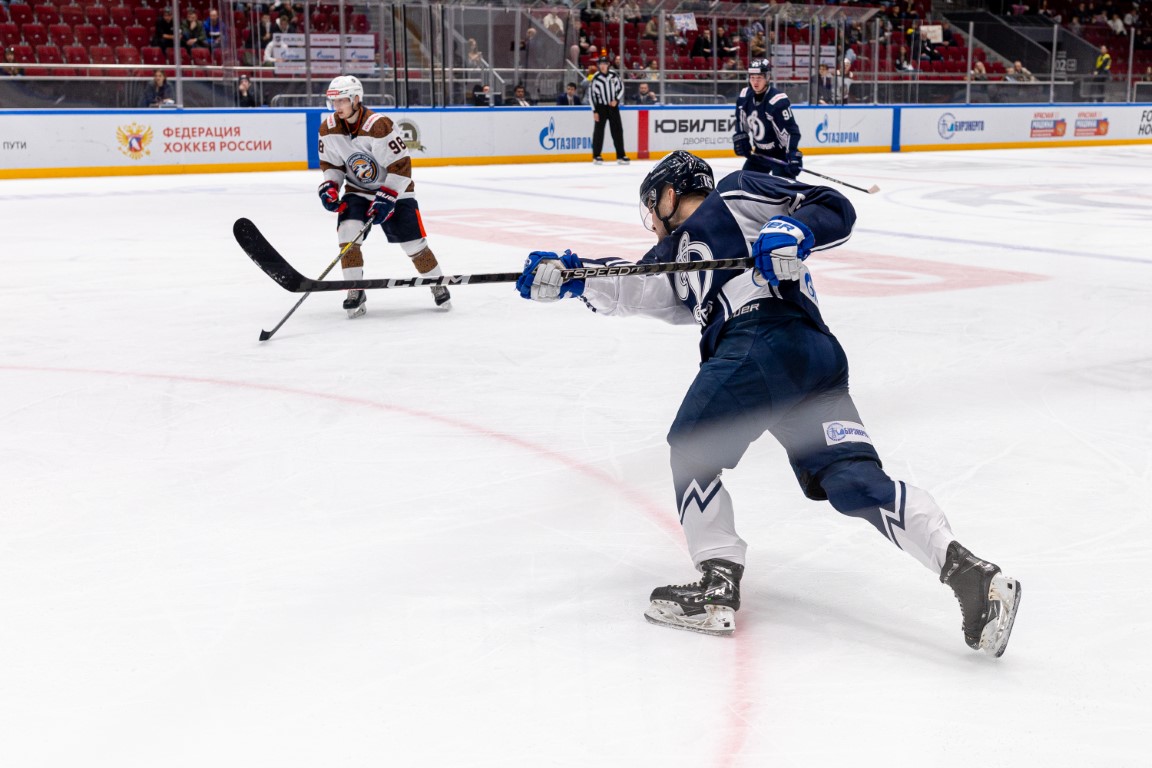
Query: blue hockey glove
{"x": 383, "y": 206}
{"x": 542, "y": 279}
{"x": 330, "y": 197}
{"x": 795, "y": 162}
{"x": 784, "y": 242}
{"x": 741, "y": 145}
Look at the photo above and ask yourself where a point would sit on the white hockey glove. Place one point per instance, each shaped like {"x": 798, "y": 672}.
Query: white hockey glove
{"x": 542, "y": 278}
{"x": 783, "y": 244}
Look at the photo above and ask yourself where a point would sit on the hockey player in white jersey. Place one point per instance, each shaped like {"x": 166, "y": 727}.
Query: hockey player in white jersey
{"x": 769, "y": 363}
{"x": 368, "y": 176}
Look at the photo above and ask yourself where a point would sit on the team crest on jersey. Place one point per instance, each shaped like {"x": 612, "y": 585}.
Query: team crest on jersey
{"x": 364, "y": 167}
{"x": 134, "y": 140}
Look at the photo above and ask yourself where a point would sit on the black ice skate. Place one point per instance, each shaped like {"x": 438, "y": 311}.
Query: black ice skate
{"x": 355, "y": 303}
{"x": 988, "y": 599}
{"x": 708, "y": 606}
{"x": 442, "y": 297}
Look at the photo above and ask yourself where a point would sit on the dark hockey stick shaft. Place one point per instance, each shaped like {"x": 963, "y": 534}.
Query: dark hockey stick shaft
{"x": 275, "y": 266}
{"x": 265, "y": 335}
{"x": 870, "y": 191}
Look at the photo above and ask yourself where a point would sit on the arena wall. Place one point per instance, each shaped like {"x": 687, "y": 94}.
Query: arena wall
{"x": 62, "y": 143}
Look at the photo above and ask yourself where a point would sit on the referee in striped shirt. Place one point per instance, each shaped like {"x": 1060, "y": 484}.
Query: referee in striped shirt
{"x": 605, "y": 94}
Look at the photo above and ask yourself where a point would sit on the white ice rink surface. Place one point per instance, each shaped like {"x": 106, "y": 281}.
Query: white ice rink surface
{"x": 427, "y": 539}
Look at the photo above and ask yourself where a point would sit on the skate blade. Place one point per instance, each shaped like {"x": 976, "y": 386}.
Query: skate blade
{"x": 355, "y": 313}
{"x": 994, "y": 638}
{"x": 716, "y": 619}
{"x": 445, "y": 306}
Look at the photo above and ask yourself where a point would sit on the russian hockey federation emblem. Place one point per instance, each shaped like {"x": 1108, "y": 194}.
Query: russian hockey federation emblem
{"x": 364, "y": 167}
{"x": 134, "y": 140}
{"x": 411, "y": 133}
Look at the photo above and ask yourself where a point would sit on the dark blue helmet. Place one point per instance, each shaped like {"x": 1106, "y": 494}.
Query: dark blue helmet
{"x": 759, "y": 67}
{"x": 684, "y": 171}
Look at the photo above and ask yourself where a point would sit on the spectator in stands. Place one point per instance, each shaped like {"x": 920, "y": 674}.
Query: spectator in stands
{"x": 652, "y": 71}
{"x": 192, "y": 33}
{"x": 1103, "y": 63}
{"x": 244, "y": 96}
{"x": 757, "y": 47}
{"x": 481, "y": 95}
{"x": 519, "y": 97}
{"x": 1116, "y": 24}
{"x": 855, "y": 33}
{"x": 703, "y": 44}
{"x": 1082, "y": 15}
{"x": 584, "y": 42}
{"x": 902, "y": 62}
{"x": 1019, "y": 74}
{"x": 652, "y": 29}
{"x": 554, "y": 23}
{"x": 570, "y": 97}
{"x": 644, "y": 96}
{"x": 164, "y": 36}
{"x": 1147, "y": 76}
{"x": 825, "y": 85}
{"x": 265, "y": 29}
{"x": 11, "y": 67}
{"x": 474, "y": 56}
{"x": 630, "y": 12}
{"x": 726, "y": 45}
{"x": 979, "y": 89}
{"x": 750, "y": 31}
{"x": 946, "y": 36}
{"x": 213, "y": 30}
{"x": 158, "y": 92}
{"x": 286, "y": 25}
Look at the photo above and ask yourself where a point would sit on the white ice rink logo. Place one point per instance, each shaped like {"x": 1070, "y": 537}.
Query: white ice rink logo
{"x": 836, "y": 432}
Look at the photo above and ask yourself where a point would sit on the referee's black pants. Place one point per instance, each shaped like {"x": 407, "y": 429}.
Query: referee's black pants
{"x": 610, "y": 115}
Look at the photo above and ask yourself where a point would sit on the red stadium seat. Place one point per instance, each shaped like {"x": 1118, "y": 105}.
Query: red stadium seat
{"x": 61, "y": 34}
{"x": 153, "y": 56}
{"x": 72, "y": 15}
{"x": 24, "y": 53}
{"x": 35, "y": 34}
{"x": 127, "y": 54}
{"x": 146, "y": 17}
{"x": 102, "y": 54}
{"x": 360, "y": 24}
{"x": 47, "y": 15}
{"x": 76, "y": 54}
{"x": 138, "y": 36}
{"x": 98, "y": 15}
{"x": 200, "y": 57}
{"x": 9, "y": 34}
{"x": 122, "y": 15}
{"x": 21, "y": 14}
{"x": 112, "y": 35}
{"x": 49, "y": 54}
{"x": 87, "y": 35}
{"x": 3, "y": 13}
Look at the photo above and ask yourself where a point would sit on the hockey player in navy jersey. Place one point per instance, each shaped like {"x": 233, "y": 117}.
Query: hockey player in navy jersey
{"x": 766, "y": 132}
{"x": 769, "y": 364}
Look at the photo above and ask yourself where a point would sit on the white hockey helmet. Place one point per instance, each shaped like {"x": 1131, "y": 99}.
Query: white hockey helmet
{"x": 345, "y": 87}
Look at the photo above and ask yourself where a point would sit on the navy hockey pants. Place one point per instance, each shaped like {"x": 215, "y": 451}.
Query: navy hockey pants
{"x": 787, "y": 377}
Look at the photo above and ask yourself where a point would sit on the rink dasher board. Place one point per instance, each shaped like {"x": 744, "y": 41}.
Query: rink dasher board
{"x": 59, "y": 143}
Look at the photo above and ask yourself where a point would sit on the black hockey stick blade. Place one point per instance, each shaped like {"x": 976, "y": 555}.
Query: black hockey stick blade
{"x": 268, "y": 259}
